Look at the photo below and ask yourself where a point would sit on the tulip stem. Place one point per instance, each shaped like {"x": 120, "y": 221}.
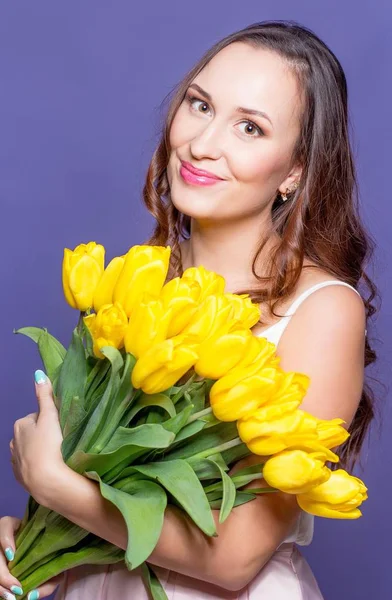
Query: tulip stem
{"x": 199, "y": 415}
{"x": 206, "y": 453}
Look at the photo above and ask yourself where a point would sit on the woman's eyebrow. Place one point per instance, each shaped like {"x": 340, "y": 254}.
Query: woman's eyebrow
{"x": 241, "y": 109}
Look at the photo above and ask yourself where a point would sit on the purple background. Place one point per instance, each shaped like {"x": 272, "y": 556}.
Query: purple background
{"x": 80, "y": 90}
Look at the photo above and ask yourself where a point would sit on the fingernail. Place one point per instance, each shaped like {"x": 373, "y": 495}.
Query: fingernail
{"x": 7, "y": 596}
{"x": 40, "y": 377}
{"x": 9, "y": 553}
{"x": 17, "y": 590}
{"x": 33, "y": 595}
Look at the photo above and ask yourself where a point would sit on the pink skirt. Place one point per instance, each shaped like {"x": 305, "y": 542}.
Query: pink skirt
{"x": 286, "y": 576}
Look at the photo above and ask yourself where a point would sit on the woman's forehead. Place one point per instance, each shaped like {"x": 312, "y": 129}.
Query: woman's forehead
{"x": 257, "y": 78}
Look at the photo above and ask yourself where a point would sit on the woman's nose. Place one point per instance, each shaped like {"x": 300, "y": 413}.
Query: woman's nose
{"x": 208, "y": 143}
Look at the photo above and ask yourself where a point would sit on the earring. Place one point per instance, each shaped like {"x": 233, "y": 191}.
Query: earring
{"x": 289, "y": 191}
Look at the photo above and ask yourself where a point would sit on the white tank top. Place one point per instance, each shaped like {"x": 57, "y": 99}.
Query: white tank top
{"x": 302, "y": 531}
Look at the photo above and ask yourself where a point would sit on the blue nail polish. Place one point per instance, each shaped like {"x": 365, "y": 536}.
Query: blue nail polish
{"x": 33, "y": 595}
{"x": 9, "y": 553}
{"x": 40, "y": 377}
{"x": 16, "y": 590}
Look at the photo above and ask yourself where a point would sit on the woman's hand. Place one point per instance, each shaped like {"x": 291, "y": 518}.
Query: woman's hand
{"x": 36, "y": 447}
{"x": 10, "y": 587}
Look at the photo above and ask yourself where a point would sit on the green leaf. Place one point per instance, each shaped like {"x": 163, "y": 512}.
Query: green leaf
{"x": 198, "y": 396}
{"x": 177, "y": 422}
{"x": 99, "y": 416}
{"x": 72, "y": 376}
{"x": 52, "y": 352}
{"x": 33, "y": 333}
{"x": 151, "y": 435}
{"x": 178, "y": 477}
{"x": 146, "y": 400}
{"x": 125, "y": 446}
{"x": 233, "y": 455}
{"x": 143, "y": 512}
{"x": 152, "y": 583}
{"x": 76, "y": 416}
{"x": 204, "y": 469}
{"x": 241, "y": 498}
{"x": 210, "y": 438}
{"x": 95, "y": 378}
{"x": 229, "y": 493}
{"x": 190, "y": 430}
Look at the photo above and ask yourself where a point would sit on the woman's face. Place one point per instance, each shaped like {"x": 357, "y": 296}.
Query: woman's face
{"x": 251, "y": 153}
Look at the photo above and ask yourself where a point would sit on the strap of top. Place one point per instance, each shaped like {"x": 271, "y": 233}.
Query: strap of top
{"x": 284, "y": 321}
{"x": 314, "y": 288}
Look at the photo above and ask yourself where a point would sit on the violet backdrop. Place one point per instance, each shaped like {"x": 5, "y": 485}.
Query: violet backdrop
{"x": 80, "y": 94}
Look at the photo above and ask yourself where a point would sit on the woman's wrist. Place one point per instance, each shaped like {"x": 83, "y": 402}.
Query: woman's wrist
{"x": 48, "y": 487}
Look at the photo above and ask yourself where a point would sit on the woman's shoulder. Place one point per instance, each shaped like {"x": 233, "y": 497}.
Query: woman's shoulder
{"x": 311, "y": 279}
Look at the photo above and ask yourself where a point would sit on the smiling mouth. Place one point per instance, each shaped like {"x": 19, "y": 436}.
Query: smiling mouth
{"x": 202, "y": 180}
{"x": 199, "y": 172}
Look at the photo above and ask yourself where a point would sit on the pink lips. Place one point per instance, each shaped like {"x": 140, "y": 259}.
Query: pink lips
{"x": 196, "y": 176}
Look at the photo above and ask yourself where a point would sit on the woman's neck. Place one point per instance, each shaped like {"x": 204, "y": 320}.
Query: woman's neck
{"x": 229, "y": 251}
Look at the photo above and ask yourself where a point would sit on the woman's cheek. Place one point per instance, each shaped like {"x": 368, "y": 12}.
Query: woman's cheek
{"x": 260, "y": 168}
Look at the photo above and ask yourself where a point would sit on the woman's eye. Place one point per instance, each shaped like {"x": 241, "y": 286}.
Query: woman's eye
{"x": 192, "y": 100}
{"x": 250, "y": 129}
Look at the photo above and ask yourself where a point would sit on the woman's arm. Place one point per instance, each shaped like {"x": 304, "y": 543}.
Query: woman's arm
{"x": 325, "y": 339}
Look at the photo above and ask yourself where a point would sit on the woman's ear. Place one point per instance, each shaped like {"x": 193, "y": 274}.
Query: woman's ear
{"x": 292, "y": 178}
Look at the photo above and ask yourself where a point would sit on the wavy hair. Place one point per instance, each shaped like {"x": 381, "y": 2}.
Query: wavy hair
{"x": 321, "y": 219}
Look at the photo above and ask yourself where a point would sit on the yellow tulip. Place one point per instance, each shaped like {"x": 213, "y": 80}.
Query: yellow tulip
{"x": 148, "y": 325}
{"x": 221, "y": 352}
{"x": 260, "y": 353}
{"x": 296, "y": 429}
{"x": 162, "y": 365}
{"x": 212, "y": 314}
{"x": 104, "y": 290}
{"x": 287, "y": 397}
{"x": 181, "y": 296}
{"x": 210, "y": 282}
{"x": 337, "y": 498}
{"x": 107, "y": 327}
{"x": 81, "y": 271}
{"x": 242, "y": 391}
{"x": 331, "y": 434}
{"x": 144, "y": 271}
{"x": 245, "y": 311}
{"x": 296, "y": 471}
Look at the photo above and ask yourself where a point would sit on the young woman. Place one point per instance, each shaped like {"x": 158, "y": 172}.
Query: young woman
{"x": 253, "y": 178}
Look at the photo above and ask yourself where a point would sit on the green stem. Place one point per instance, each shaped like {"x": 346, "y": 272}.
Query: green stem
{"x": 206, "y": 453}
{"x": 199, "y": 415}
{"x": 184, "y": 388}
{"x": 218, "y": 485}
{"x": 97, "y": 553}
{"x": 30, "y": 534}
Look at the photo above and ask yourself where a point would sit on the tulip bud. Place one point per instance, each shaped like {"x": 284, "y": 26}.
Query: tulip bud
{"x": 337, "y": 498}
{"x": 104, "y": 291}
{"x": 107, "y": 327}
{"x": 296, "y": 471}
{"x": 162, "y": 365}
{"x": 148, "y": 325}
{"x": 213, "y": 314}
{"x": 181, "y": 296}
{"x": 221, "y": 352}
{"x": 245, "y": 311}
{"x": 82, "y": 269}
{"x": 331, "y": 434}
{"x": 144, "y": 271}
{"x": 210, "y": 282}
{"x": 242, "y": 391}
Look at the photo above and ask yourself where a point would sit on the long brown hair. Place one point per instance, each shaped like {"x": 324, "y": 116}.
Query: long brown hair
{"x": 320, "y": 220}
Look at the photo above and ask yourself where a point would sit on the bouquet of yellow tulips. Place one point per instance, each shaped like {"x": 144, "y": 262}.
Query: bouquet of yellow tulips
{"x": 162, "y": 389}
